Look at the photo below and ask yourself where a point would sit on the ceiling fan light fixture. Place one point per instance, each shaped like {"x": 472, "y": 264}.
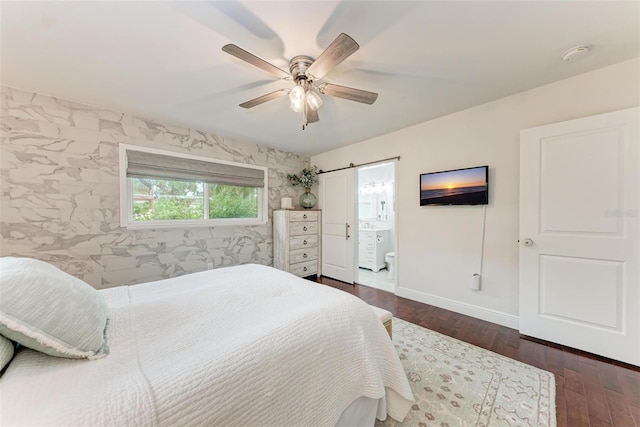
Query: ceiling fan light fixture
{"x": 297, "y": 105}
{"x": 297, "y": 95}
{"x": 314, "y": 101}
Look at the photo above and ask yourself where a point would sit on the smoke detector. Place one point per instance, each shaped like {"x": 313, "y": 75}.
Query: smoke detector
{"x": 575, "y": 53}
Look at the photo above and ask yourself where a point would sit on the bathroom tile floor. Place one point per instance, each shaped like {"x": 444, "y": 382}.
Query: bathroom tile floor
{"x": 379, "y": 280}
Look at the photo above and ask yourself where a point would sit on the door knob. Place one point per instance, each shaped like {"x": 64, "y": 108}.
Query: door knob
{"x": 527, "y": 242}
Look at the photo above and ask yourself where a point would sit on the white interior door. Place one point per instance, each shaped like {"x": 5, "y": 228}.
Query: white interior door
{"x": 579, "y": 234}
{"x": 337, "y": 201}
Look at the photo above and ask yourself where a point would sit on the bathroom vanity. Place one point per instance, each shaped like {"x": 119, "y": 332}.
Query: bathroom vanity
{"x": 372, "y": 247}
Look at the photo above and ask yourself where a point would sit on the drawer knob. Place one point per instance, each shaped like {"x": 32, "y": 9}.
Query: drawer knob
{"x": 304, "y": 242}
{"x": 304, "y": 228}
{"x": 304, "y": 255}
{"x": 304, "y": 216}
{"x": 305, "y": 269}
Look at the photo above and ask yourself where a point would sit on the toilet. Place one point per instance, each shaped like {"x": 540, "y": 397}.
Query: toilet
{"x": 390, "y": 259}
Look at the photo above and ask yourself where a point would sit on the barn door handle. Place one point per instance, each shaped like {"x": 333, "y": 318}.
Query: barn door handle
{"x": 346, "y": 230}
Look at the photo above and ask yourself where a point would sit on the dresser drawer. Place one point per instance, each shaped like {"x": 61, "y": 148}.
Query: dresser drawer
{"x": 303, "y": 216}
{"x": 301, "y": 255}
{"x": 303, "y": 227}
{"x": 369, "y": 236}
{"x": 301, "y": 242}
{"x": 303, "y": 269}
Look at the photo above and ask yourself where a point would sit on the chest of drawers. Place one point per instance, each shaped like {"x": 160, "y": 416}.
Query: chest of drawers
{"x": 296, "y": 241}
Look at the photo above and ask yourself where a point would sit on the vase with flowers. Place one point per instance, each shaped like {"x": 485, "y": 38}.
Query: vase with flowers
{"x": 307, "y": 179}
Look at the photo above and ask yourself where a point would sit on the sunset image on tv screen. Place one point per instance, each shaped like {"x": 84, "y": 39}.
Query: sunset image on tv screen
{"x": 458, "y": 187}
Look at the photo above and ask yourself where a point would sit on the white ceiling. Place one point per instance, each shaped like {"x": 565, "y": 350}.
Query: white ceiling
{"x": 163, "y": 60}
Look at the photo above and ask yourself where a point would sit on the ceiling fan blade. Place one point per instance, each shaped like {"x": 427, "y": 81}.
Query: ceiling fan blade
{"x": 240, "y": 53}
{"x": 349, "y": 93}
{"x": 312, "y": 116}
{"x": 264, "y": 98}
{"x": 339, "y": 50}
{"x": 309, "y": 116}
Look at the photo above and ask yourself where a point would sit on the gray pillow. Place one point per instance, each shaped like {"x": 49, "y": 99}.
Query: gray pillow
{"x": 48, "y": 310}
{"x": 6, "y": 352}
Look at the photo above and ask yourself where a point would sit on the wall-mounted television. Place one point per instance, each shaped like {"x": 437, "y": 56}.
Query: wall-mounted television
{"x": 468, "y": 186}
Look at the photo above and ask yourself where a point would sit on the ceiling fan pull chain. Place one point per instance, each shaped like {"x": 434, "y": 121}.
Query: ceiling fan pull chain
{"x": 305, "y": 119}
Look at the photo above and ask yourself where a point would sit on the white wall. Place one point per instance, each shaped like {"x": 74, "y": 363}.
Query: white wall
{"x": 439, "y": 247}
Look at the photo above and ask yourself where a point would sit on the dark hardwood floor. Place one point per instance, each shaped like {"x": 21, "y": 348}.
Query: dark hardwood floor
{"x": 590, "y": 390}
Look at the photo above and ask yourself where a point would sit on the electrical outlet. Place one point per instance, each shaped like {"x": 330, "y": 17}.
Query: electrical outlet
{"x": 209, "y": 266}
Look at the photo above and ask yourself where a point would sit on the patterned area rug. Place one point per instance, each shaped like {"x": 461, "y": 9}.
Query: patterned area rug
{"x": 458, "y": 384}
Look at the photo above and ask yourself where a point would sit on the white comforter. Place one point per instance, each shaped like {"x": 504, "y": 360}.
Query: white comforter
{"x": 246, "y": 346}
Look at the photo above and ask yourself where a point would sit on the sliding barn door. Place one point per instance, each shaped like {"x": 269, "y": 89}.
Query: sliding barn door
{"x": 337, "y": 201}
{"x": 579, "y": 234}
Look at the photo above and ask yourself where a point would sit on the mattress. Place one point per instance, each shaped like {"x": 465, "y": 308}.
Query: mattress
{"x": 244, "y": 345}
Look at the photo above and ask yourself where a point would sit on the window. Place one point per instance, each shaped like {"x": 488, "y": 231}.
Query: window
{"x": 165, "y": 189}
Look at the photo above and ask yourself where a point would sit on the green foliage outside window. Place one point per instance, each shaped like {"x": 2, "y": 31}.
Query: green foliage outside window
{"x": 227, "y": 201}
{"x": 155, "y": 199}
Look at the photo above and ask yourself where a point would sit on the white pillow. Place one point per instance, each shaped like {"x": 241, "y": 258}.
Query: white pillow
{"x": 6, "y": 352}
{"x": 48, "y": 310}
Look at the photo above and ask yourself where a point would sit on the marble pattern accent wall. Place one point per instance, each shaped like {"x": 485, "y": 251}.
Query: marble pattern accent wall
{"x": 60, "y": 193}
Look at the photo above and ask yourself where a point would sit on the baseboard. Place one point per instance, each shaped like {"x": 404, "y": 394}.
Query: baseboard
{"x": 493, "y": 316}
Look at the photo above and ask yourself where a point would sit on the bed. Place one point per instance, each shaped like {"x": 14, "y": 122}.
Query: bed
{"x": 245, "y": 345}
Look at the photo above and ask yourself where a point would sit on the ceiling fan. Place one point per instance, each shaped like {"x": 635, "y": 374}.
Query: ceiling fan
{"x": 305, "y": 72}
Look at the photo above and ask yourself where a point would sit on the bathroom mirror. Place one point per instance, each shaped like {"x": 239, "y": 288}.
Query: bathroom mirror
{"x": 373, "y": 206}
{"x": 367, "y": 209}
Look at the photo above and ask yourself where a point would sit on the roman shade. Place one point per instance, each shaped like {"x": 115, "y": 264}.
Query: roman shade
{"x": 159, "y": 166}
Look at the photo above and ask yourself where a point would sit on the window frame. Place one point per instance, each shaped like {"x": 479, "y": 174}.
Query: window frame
{"x": 126, "y": 195}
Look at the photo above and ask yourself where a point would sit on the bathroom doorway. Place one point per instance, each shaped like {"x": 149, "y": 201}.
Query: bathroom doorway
{"x": 376, "y": 197}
